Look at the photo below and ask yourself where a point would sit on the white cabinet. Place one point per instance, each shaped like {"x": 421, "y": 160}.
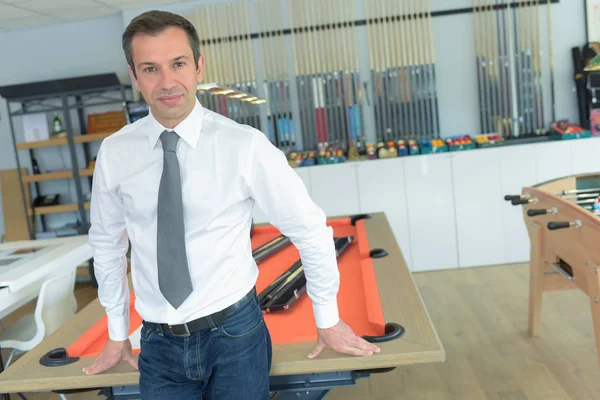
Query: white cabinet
{"x": 552, "y": 160}
{"x": 334, "y": 188}
{"x": 517, "y": 169}
{"x": 478, "y": 200}
{"x": 382, "y": 189}
{"x": 585, "y": 155}
{"x": 431, "y": 212}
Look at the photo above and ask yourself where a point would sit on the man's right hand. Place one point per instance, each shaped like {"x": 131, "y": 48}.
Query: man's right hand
{"x": 113, "y": 353}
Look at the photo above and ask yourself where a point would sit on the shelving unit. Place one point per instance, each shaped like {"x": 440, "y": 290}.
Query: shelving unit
{"x": 69, "y": 97}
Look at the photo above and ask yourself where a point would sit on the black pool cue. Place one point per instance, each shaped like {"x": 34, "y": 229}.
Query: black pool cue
{"x": 289, "y": 293}
{"x": 270, "y": 248}
{"x": 279, "y": 284}
{"x": 294, "y": 281}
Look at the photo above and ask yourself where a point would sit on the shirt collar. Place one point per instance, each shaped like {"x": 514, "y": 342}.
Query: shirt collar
{"x": 188, "y": 129}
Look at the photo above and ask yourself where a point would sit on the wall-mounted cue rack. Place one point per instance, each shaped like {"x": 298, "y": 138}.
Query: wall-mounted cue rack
{"x": 329, "y": 73}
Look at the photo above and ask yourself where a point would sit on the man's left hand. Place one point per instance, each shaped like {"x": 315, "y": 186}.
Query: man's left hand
{"x": 342, "y": 339}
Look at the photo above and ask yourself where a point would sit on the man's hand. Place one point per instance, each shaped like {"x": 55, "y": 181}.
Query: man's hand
{"x": 112, "y": 354}
{"x": 342, "y": 339}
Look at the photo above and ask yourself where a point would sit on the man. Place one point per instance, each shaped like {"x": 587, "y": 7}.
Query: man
{"x": 180, "y": 185}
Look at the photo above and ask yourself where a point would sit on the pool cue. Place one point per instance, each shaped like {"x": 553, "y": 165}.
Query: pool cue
{"x": 267, "y": 76}
{"x": 276, "y": 83}
{"x": 383, "y": 41}
{"x": 378, "y": 98}
{"x": 282, "y": 76}
{"x": 539, "y": 75}
{"x": 529, "y": 68}
{"x": 314, "y": 130}
{"x": 238, "y": 56}
{"x": 497, "y": 68}
{"x": 270, "y": 128}
{"x": 436, "y": 119}
{"x": 215, "y": 61}
{"x": 290, "y": 287}
{"x": 268, "y": 293}
{"x": 502, "y": 72}
{"x": 391, "y": 134}
{"x": 534, "y": 25}
{"x": 421, "y": 62}
{"x": 357, "y": 98}
{"x": 493, "y": 68}
{"x": 270, "y": 248}
{"x": 250, "y": 73}
{"x": 298, "y": 68}
{"x": 479, "y": 64}
{"x": 348, "y": 78}
{"x": 551, "y": 61}
{"x": 399, "y": 77}
{"x": 420, "y": 45}
{"x": 393, "y": 74}
{"x": 371, "y": 46}
{"x": 519, "y": 74}
{"x": 486, "y": 66}
{"x": 209, "y": 74}
{"x": 406, "y": 98}
{"x": 233, "y": 106}
{"x": 340, "y": 73}
{"x": 328, "y": 72}
{"x": 329, "y": 45}
{"x": 317, "y": 78}
{"x": 414, "y": 76}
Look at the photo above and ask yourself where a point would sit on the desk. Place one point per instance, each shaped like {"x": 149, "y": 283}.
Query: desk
{"x": 25, "y": 264}
{"x": 374, "y": 292}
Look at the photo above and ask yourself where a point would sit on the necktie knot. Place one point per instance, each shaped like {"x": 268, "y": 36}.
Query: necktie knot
{"x": 169, "y": 140}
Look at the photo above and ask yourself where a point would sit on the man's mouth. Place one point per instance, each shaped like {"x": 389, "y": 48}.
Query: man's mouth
{"x": 172, "y": 99}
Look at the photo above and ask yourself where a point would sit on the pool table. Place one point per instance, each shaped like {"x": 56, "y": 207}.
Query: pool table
{"x": 377, "y": 298}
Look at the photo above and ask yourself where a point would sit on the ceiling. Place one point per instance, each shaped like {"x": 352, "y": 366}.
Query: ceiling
{"x": 20, "y": 14}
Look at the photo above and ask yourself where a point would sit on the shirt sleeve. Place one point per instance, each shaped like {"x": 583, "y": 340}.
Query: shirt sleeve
{"x": 282, "y": 197}
{"x": 109, "y": 242}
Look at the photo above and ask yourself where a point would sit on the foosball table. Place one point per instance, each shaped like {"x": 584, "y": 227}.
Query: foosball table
{"x": 562, "y": 217}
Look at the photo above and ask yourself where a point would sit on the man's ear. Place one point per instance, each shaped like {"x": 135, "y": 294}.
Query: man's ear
{"x": 133, "y": 78}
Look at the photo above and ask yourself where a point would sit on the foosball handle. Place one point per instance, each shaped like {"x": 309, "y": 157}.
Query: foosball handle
{"x": 518, "y": 201}
{"x": 533, "y": 213}
{"x": 510, "y": 197}
{"x": 562, "y": 225}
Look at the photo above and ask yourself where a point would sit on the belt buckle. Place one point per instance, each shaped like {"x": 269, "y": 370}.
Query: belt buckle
{"x": 178, "y": 331}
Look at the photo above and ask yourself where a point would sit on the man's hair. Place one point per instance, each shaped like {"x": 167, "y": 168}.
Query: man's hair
{"x": 153, "y": 23}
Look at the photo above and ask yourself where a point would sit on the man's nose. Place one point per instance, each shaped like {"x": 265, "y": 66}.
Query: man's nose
{"x": 168, "y": 79}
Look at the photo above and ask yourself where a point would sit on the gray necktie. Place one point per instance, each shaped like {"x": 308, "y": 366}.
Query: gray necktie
{"x": 173, "y": 273}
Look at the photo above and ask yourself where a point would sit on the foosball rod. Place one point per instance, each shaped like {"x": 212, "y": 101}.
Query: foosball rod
{"x": 575, "y": 191}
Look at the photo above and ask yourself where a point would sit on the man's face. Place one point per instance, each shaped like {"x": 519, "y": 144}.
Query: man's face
{"x": 166, "y": 74}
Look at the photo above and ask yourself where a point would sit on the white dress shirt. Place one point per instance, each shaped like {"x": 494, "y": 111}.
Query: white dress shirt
{"x": 226, "y": 168}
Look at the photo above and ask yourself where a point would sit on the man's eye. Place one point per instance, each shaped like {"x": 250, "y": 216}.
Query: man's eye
{"x": 179, "y": 64}
{"x": 149, "y": 69}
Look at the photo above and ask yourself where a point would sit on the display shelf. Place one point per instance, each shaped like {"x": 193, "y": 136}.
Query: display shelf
{"x": 60, "y": 208}
{"x": 56, "y": 176}
{"x": 62, "y": 141}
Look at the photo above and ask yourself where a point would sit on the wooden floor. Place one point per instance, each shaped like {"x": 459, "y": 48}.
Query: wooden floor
{"x": 481, "y": 317}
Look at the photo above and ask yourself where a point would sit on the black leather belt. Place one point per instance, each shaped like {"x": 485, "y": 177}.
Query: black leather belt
{"x": 206, "y": 322}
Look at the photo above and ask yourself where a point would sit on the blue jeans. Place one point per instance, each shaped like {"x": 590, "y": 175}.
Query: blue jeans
{"x": 231, "y": 361}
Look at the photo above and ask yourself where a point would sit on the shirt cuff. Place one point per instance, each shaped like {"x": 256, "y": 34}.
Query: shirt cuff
{"x": 326, "y": 315}
{"x": 118, "y": 328}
